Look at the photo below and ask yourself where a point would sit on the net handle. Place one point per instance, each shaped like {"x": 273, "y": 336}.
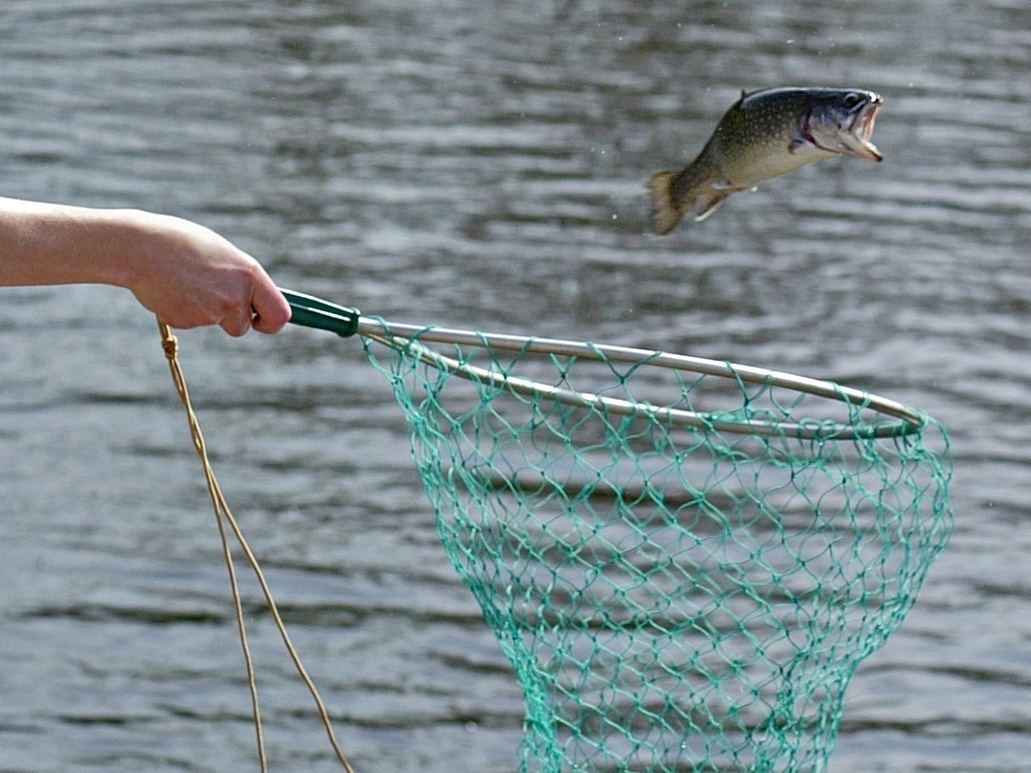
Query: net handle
{"x": 315, "y": 312}
{"x": 309, "y": 311}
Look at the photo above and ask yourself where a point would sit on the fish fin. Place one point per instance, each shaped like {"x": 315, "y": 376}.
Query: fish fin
{"x": 666, "y": 210}
{"x": 709, "y": 202}
{"x": 796, "y": 143}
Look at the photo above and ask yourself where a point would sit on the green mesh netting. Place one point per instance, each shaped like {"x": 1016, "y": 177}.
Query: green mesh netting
{"x": 684, "y": 568}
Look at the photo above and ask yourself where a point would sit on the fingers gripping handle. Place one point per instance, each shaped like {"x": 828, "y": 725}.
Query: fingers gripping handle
{"x": 314, "y": 312}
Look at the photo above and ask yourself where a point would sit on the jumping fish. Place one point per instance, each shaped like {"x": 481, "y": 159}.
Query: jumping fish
{"x": 764, "y": 134}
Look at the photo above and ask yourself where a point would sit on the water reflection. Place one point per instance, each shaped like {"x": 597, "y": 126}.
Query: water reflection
{"x": 480, "y": 165}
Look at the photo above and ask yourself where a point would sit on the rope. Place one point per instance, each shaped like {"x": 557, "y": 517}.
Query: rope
{"x": 223, "y": 516}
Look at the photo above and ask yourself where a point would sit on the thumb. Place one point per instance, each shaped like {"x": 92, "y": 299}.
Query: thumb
{"x": 271, "y": 310}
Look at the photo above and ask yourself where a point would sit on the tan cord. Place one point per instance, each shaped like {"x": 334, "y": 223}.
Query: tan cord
{"x": 223, "y": 515}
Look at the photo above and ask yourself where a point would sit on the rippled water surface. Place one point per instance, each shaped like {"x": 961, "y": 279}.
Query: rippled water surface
{"x": 477, "y": 164}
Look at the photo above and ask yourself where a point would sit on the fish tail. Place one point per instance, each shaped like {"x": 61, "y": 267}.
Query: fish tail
{"x": 666, "y": 209}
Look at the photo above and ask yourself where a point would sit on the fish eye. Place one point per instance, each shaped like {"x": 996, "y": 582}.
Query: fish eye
{"x": 852, "y": 99}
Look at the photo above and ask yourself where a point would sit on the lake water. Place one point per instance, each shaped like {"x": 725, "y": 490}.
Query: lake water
{"x": 477, "y": 164}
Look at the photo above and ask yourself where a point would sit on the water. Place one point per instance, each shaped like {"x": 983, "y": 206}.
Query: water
{"x": 476, "y": 164}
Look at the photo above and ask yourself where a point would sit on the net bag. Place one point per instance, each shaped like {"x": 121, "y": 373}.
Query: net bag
{"x": 685, "y": 560}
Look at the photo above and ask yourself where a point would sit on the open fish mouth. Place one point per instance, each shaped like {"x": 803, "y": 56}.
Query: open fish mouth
{"x": 862, "y": 124}
{"x": 858, "y": 138}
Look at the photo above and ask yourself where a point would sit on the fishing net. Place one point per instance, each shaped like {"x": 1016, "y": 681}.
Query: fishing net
{"x": 685, "y": 560}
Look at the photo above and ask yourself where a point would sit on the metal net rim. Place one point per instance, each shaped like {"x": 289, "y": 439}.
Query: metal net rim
{"x": 901, "y": 419}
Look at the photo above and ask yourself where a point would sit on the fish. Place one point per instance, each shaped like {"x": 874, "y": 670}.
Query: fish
{"x": 764, "y": 134}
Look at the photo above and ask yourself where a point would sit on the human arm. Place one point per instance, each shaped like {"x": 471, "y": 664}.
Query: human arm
{"x": 183, "y": 272}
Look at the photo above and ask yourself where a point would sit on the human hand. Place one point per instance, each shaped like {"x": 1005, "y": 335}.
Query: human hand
{"x": 190, "y": 276}
{"x": 185, "y": 273}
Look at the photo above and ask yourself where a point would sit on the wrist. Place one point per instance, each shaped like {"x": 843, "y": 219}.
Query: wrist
{"x": 119, "y": 245}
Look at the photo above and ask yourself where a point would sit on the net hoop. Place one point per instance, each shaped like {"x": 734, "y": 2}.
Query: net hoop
{"x": 900, "y": 419}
